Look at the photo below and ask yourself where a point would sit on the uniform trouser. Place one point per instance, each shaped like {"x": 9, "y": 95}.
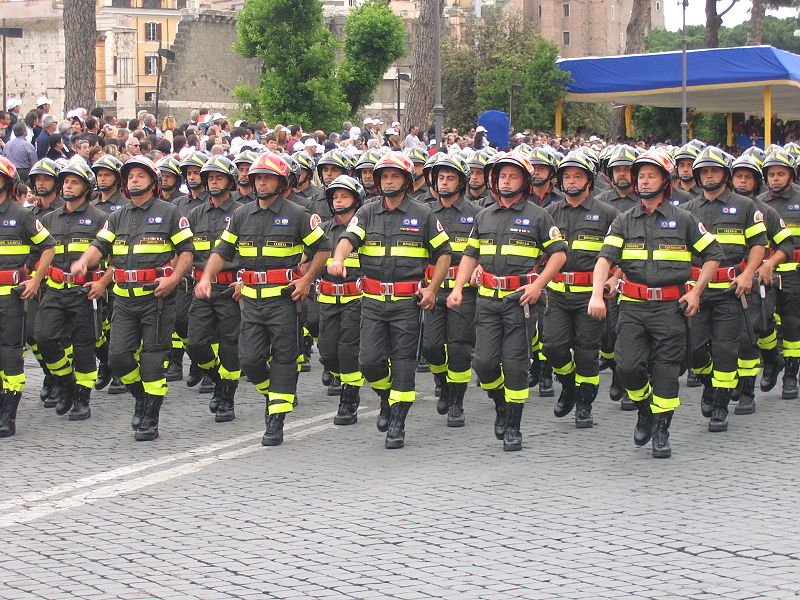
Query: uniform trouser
{"x": 213, "y": 335}
{"x": 66, "y": 318}
{"x": 572, "y": 337}
{"x": 387, "y": 353}
{"x": 449, "y": 336}
{"x": 749, "y": 353}
{"x": 339, "y": 332}
{"x": 11, "y": 332}
{"x": 183, "y": 302}
{"x": 609, "y": 338}
{"x": 312, "y": 315}
{"x": 716, "y": 330}
{"x": 501, "y": 347}
{"x": 135, "y": 354}
{"x": 268, "y": 349}
{"x": 650, "y": 349}
{"x": 30, "y": 325}
{"x": 789, "y": 312}
{"x": 538, "y": 335}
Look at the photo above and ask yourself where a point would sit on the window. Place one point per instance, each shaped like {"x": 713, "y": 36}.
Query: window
{"x": 613, "y": 11}
{"x": 149, "y": 96}
{"x": 120, "y": 3}
{"x": 151, "y": 64}
{"x": 658, "y": 6}
{"x": 566, "y": 10}
{"x": 566, "y": 38}
{"x": 151, "y": 3}
{"x": 181, "y": 4}
{"x": 540, "y": 11}
{"x": 152, "y": 31}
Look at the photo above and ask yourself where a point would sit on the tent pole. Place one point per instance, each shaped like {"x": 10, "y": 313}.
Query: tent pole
{"x": 628, "y": 120}
{"x": 767, "y": 115}
{"x": 730, "y": 130}
{"x": 559, "y": 124}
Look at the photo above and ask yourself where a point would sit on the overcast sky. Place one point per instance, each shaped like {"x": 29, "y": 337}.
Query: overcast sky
{"x": 696, "y": 15}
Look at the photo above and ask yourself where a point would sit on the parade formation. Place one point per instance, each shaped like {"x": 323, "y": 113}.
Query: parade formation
{"x": 650, "y": 265}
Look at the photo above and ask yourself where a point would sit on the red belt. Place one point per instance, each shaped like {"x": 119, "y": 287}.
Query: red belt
{"x": 141, "y": 275}
{"x": 328, "y": 288}
{"x": 508, "y": 282}
{"x": 11, "y": 277}
{"x": 276, "y": 276}
{"x": 722, "y": 274}
{"x": 642, "y": 292}
{"x": 451, "y": 272}
{"x": 796, "y": 256}
{"x": 388, "y": 288}
{"x": 221, "y": 277}
{"x": 60, "y": 276}
{"x": 575, "y": 278}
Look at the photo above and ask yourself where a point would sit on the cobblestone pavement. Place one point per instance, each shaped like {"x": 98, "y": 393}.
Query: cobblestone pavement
{"x": 205, "y": 512}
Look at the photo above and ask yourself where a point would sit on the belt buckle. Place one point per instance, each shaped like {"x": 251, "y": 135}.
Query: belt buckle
{"x": 656, "y": 293}
{"x": 261, "y": 277}
{"x": 569, "y": 278}
{"x": 500, "y": 282}
{"x": 289, "y": 273}
{"x": 131, "y": 275}
{"x": 731, "y": 273}
{"x": 387, "y": 288}
{"x": 338, "y": 289}
{"x": 68, "y": 278}
{"x": 318, "y": 286}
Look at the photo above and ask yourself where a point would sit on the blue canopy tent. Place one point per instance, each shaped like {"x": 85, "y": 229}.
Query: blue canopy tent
{"x": 751, "y": 79}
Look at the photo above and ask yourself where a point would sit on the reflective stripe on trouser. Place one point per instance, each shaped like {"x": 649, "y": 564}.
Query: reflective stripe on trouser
{"x": 134, "y": 353}
{"x": 449, "y": 336}
{"x": 501, "y": 348}
{"x": 268, "y": 349}
{"x": 651, "y": 334}
{"x": 339, "y": 335}
{"x": 789, "y": 311}
{"x": 571, "y": 336}
{"x": 213, "y": 342}
{"x": 183, "y": 302}
{"x": 716, "y": 330}
{"x": 64, "y": 319}
{"x": 609, "y": 337}
{"x": 388, "y": 344}
{"x": 749, "y": 353}
{"x": 11, "y": 362}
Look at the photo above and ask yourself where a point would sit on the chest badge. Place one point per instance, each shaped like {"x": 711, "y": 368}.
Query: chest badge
{"x": 728, "y": 210}
{"x": 668, "y": 224}
{"x": 280, "y": 221}
{"x": 155, "y": 220}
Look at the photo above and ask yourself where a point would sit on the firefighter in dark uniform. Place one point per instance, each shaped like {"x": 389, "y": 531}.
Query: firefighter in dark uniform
{"x": 396, "y": 239}
{"x": 478, "y": 186}
{"x": 419, "y": 157}
{"x": 746, "y": 181}
{"x": 295, "y": 173}
{"x": 449, "y": 335}
{"x": 142, "y": 240}
{"x": 363, "y": 171}
{"x": 20, "y": 234}
{"x": 571, "y": 337}
{"x": 653, "y": 244}
{"x": 784, "y": 197}
{"x": 268, "y": 239}
{"x": 66, "y": 316}
{"x": 197, "y": 196}
{"x": 44, "y": 183}
{"x": 213, "y": 342}
{"x": 244, "y": 191}
{"x": 330, "y": 166}
{"x": 508, "y": 241}
{"x": 170, "y": 178}
{"x": 339, "y": 302}
{"x": 305, "y": 182}
{"x": 684, "y": 159}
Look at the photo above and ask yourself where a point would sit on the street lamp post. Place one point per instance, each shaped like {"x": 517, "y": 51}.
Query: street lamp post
{"x": 403, "y": 77}
{"x": 438, "y": 109}
{"x": 684, "y": 120}
{"x": 169, "y": 55}
{"x": 514, "y": 87}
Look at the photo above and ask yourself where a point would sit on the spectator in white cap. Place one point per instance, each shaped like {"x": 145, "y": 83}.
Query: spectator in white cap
{"x": 355, "y": 133}
{"x": 310, "y": 146}
{"x": 480, "y": 141}
{"x": 366, "y": 133}
{"x": 412, "y": 139}
{"x": 391, "y": 138}
{"x": 44, "y": 103}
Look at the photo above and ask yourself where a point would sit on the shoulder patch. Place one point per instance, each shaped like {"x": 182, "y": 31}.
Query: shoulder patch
{"x": 314, "y": 221}
{"x": 38, "y": 224}
{"x": 439, "y": 226}
{"x": 554, "y": 232}
{"x": 702, "y": 228}
{"x": 758, "y": 216}
{"x": 183, "y": 222}
{"x": 105, "y": 225}
{"x": 783, "y": 223}
{"x": 353, "y": 221}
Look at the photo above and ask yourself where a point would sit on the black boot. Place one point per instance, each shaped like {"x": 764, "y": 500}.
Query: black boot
{"x": 207, "y": 385}
{"x": 747, "y": 401}
{"x": 46, "y": 385}
{"x": 772, "y": 366}
{"x": 117, "y": 387}
{"x": 327, "y": 378}
{"x": 443, "y": 400}
{"x": 615, "y": 390}
{"x": 707, "y": 399}
{"x": 335, "y": 388}
{"x": 692, "y": 380}
{"x": 719, "y": 414}
{"x": 661, "y": 447}
{"x": 103, "y": 371}
{"x": 790, "y": 378}
{"x": 195, "y": 375}
{"x": 644, "y": 423}
{"x": 137, "y": 391}
{"x": 273, "y": 436}
{"x": 219, "y": 391}
{"x": 348, "y": 405}
{"x": 396, "y": 434}
{"x": 80, "y": 407}
{"x": 546, "y": 381}
{"x": 455, "y": 412}
{"x": 605, "y": 363}
{"x": 512, "y": 438}
{"x": 499, "y": 397}
{"x": 626, "y": 403}
{"x": 9, "y": 402}
{"x": 566, "y": 400}
{"x": 422, "y": 367}
{"x": 66, "y": 393}
{"x": 148, "y": 426}
{"x": 586, "y": 394}
{"x": 175, "y": 367}
{"x": 225, "y": 410}
{"x": 383, "y": 417}
{"x": 305, "y": 366}
{"x": 534, "y": 371}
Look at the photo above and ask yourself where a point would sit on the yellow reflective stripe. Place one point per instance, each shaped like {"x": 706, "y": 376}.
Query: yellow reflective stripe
{"x": 546, "y": 243}
{"x": 719, "y": 284}
{"x": 282, "y": 252}
{"x": 181, "y": 235}
{"x": 794, "y": 228}
{"x": 398, "y": 396}
{"x": 439, "y": 240}
{"x": 383, "y": 298}
{"x": 586, "y": 245}
{"x": 628, "y": 254}
{"x": 352, "y": 262}
{"x": 40, "y": 236}
{"x": 58, "y": 248}
{"x": 152, "y": 248}
{"x": 703, "y": 242}
{"x": 325, "y": 299}
{"x": 267, "y": 292}
{"x": 614, "y": 240}
{"x": 227, "y": 236}
{"x": 409, "y": 252}
{"x": 355, "y": 229}
{"x": 509, "y": 250}
{"x": 677, "y": 255}
{"x": 473, "y": 242}
{"x": 77, "y": 246}
{"x": 247, "y": 251}
{"x": 15, "y": 249}
{"x": 202, "y": 245}
{"x": 127, "y": 293}
{"x": 458, "y": 246}
{"x": 755, "y": 229}
{"x": 488, "y": 249}
{"x": 106, "y": 235}
{"x": 730, "y": 238}
{"x": 516, "y": 396}
{"x": 491, "y": 293}
{"x": 560, "y": 286}
{"x": 312, "y": 237}
{"x": 781, "y": 235}
{"x": 659, "y": 404}
{"x": 790, "y": 266}
{"x": 372, "y": 250}
{"x": 118, "y": 249}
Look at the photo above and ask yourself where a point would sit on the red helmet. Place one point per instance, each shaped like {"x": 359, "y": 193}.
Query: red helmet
{"x": 270, "y": 163}
{"x": 146, "y": 165}
{"x": 9, "y": 171}
{"x": 515, "y": 160}
{"x": 394, "y": 160}
{"x": 663, "y": 163}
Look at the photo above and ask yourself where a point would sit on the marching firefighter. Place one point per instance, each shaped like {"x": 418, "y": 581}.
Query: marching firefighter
{"x": 170, "y": 177}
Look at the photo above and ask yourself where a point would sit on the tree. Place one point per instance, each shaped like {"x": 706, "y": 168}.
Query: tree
{"x": 460, "y": 66}
{"x": 714, "y": 22}
{"x": 80, "y": 33}
{"x": 755, "y": 27}
{"x": 635, "y": 34}
{"x": 375, "y": 39}
{"x": 419, "y": 101}
{"x": 298, "y": 83}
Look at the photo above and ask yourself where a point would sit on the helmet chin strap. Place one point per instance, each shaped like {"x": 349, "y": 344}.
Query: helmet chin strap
{"x": 194, "y": 186}
{"x": 344, "y": 209}
{"x": 268, "y": 196}
{"x": 648, "y": 195}
{"x": 686, "y": 179}
{"x": 713, "y": 187}
{"x": 216, "y": 193}
{"x": 141, "y": 192}
{"x": 43, "y": 194}
{"x": 446, "y": 194}
{"x": 743, "y": 191}
{"x": 510, "y": 194}
{"x": 775, "y": 191}
{"x": 623, "y": 185}
{"x": 472, "y": 186}
{"x": 392, "y": 193}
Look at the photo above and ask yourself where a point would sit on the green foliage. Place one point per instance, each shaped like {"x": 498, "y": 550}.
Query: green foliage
{"x": 662, "y": 123}
{"x": 777, "y": 32}
{"x": 459, "y": 70}
{"x": 593, "y": 118}
{"x": 712, "y": 127}
{"x": 375, "y": 39}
